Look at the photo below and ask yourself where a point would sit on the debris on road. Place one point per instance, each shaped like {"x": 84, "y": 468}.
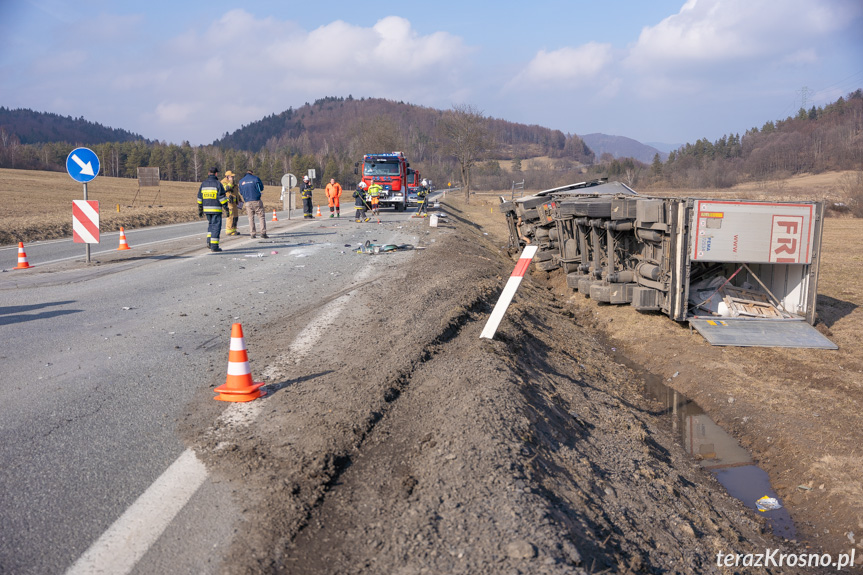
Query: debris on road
{"x": 370, "y": 248}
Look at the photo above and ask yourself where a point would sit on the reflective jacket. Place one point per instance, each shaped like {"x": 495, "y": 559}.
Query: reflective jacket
{"x": 251, "y": 187}
{"x": 306, "y": 191}
{"x": 375, "y": 190}
{"x": 211, "y": 195}
{"x": 231, "y": 191}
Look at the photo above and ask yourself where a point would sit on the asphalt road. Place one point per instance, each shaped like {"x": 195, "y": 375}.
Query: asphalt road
{"x": 100, "y": 362}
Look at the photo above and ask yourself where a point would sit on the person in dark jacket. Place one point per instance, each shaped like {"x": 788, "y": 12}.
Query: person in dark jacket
{"x": 211, "y": 202}
{"x": 360, "y": 202}
{"x": 306, "y": 195}
{"x": 251, "y": 187}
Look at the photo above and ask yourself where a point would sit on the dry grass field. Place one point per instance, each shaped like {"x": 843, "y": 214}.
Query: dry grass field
{"x": 39, "y": 204}
{"x": 826, "y": 187}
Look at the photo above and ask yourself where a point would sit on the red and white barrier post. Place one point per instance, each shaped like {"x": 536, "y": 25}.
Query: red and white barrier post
{"x": 508, "y": 292}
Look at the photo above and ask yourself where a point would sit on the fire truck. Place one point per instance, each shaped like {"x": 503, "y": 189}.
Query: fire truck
{"x": 414, "y": 185}
{"x": 390, "y": 171}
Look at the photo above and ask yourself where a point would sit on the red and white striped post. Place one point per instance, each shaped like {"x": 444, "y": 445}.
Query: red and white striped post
{"x": 508, "y": 292}
{"x": 85, "y": 222}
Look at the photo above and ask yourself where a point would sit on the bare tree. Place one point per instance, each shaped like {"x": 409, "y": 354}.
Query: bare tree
{"x": 467, "y": 138}
{"x": 380, "y": 134}
{"x": 631, "y": 174}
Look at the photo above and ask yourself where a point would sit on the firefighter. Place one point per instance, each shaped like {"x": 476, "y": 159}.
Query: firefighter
{"x": 235, "y": 203}
{"x": 211, "y": 202}
{"x": 422, "y": 196}
{"x": 334, "y": 193}
{"x": 360, "y": 203}
{"x": 375, "y": 197}
{"x": 306, "y": 195}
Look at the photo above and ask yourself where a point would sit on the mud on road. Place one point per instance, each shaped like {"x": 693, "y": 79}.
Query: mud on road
{"x": 405, "y": 444}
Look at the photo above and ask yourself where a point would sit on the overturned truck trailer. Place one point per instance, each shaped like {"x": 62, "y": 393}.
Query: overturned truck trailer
{"x": 742, "y": 273}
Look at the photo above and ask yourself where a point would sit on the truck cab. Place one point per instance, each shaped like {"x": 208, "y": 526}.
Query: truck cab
{"x": 390, "y": 171}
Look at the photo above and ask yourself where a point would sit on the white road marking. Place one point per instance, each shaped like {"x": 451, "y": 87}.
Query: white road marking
{"x": 312, "y": 333}
{"x": 126, "y": 541}
{"x": 131, "y": 536}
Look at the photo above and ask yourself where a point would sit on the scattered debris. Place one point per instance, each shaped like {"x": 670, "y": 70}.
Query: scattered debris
{"x": 767, "y": 504}
{"x": 370, "y": 248}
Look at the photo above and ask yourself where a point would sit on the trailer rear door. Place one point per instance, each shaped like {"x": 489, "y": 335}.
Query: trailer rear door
{"x": 748, "y": 332}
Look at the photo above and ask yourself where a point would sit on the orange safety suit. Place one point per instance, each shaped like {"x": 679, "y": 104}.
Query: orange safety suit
{"x": 334, "y": 193}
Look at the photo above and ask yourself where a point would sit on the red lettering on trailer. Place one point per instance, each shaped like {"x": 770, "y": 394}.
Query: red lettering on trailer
{"x": 786, "y": 239}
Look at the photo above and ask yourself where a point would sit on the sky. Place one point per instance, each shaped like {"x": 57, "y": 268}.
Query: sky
{"x": 664, "y": 71}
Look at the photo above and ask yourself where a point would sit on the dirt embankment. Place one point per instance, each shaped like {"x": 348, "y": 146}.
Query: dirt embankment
{"x": 424, "y": 449}
{"x": 796, "y": 410}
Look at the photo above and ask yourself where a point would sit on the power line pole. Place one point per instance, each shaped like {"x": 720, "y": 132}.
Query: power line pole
{"x": 804, "y": 97}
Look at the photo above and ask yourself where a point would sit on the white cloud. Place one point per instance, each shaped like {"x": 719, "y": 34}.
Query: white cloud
{"x": 242, "y": 66}
{"x": 173, "y": 112}
{"x": 720, "y": 31}
{"x": 567, "y": 65}
{"x": 800, "y": 57}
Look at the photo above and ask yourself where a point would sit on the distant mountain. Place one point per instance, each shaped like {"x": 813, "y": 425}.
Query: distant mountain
{"x": 622, "y": 147}
{"x": 663, "y": 147}
{"x": 32, "y": 127}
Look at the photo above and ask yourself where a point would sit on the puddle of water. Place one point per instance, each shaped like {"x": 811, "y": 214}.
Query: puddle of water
{"x": 718, "y": 452}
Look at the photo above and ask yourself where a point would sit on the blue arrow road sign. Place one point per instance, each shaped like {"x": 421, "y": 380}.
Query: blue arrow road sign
{"x": 82, "y": 164}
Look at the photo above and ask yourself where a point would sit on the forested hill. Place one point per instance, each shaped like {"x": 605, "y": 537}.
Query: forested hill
{"x": 335, "y": 123}
{"x": 31, "y": 127}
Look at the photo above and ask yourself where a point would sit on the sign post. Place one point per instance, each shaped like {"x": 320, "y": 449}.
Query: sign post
{"x": 82, "y": 164}
{"x": 508, "y": 292}
{"x": 288, "y": 182}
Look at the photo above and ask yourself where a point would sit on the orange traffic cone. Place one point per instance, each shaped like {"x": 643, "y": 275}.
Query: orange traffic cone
{"x": 123, "y": 244}
{"x": 275, "y": 219}
{"x": 319, "y": 212}
{"x": 23, "y": 264}
{"x": 239, "y": 385}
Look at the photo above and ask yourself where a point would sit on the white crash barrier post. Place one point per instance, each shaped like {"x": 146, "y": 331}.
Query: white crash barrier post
{"x": 508, "y": 292}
